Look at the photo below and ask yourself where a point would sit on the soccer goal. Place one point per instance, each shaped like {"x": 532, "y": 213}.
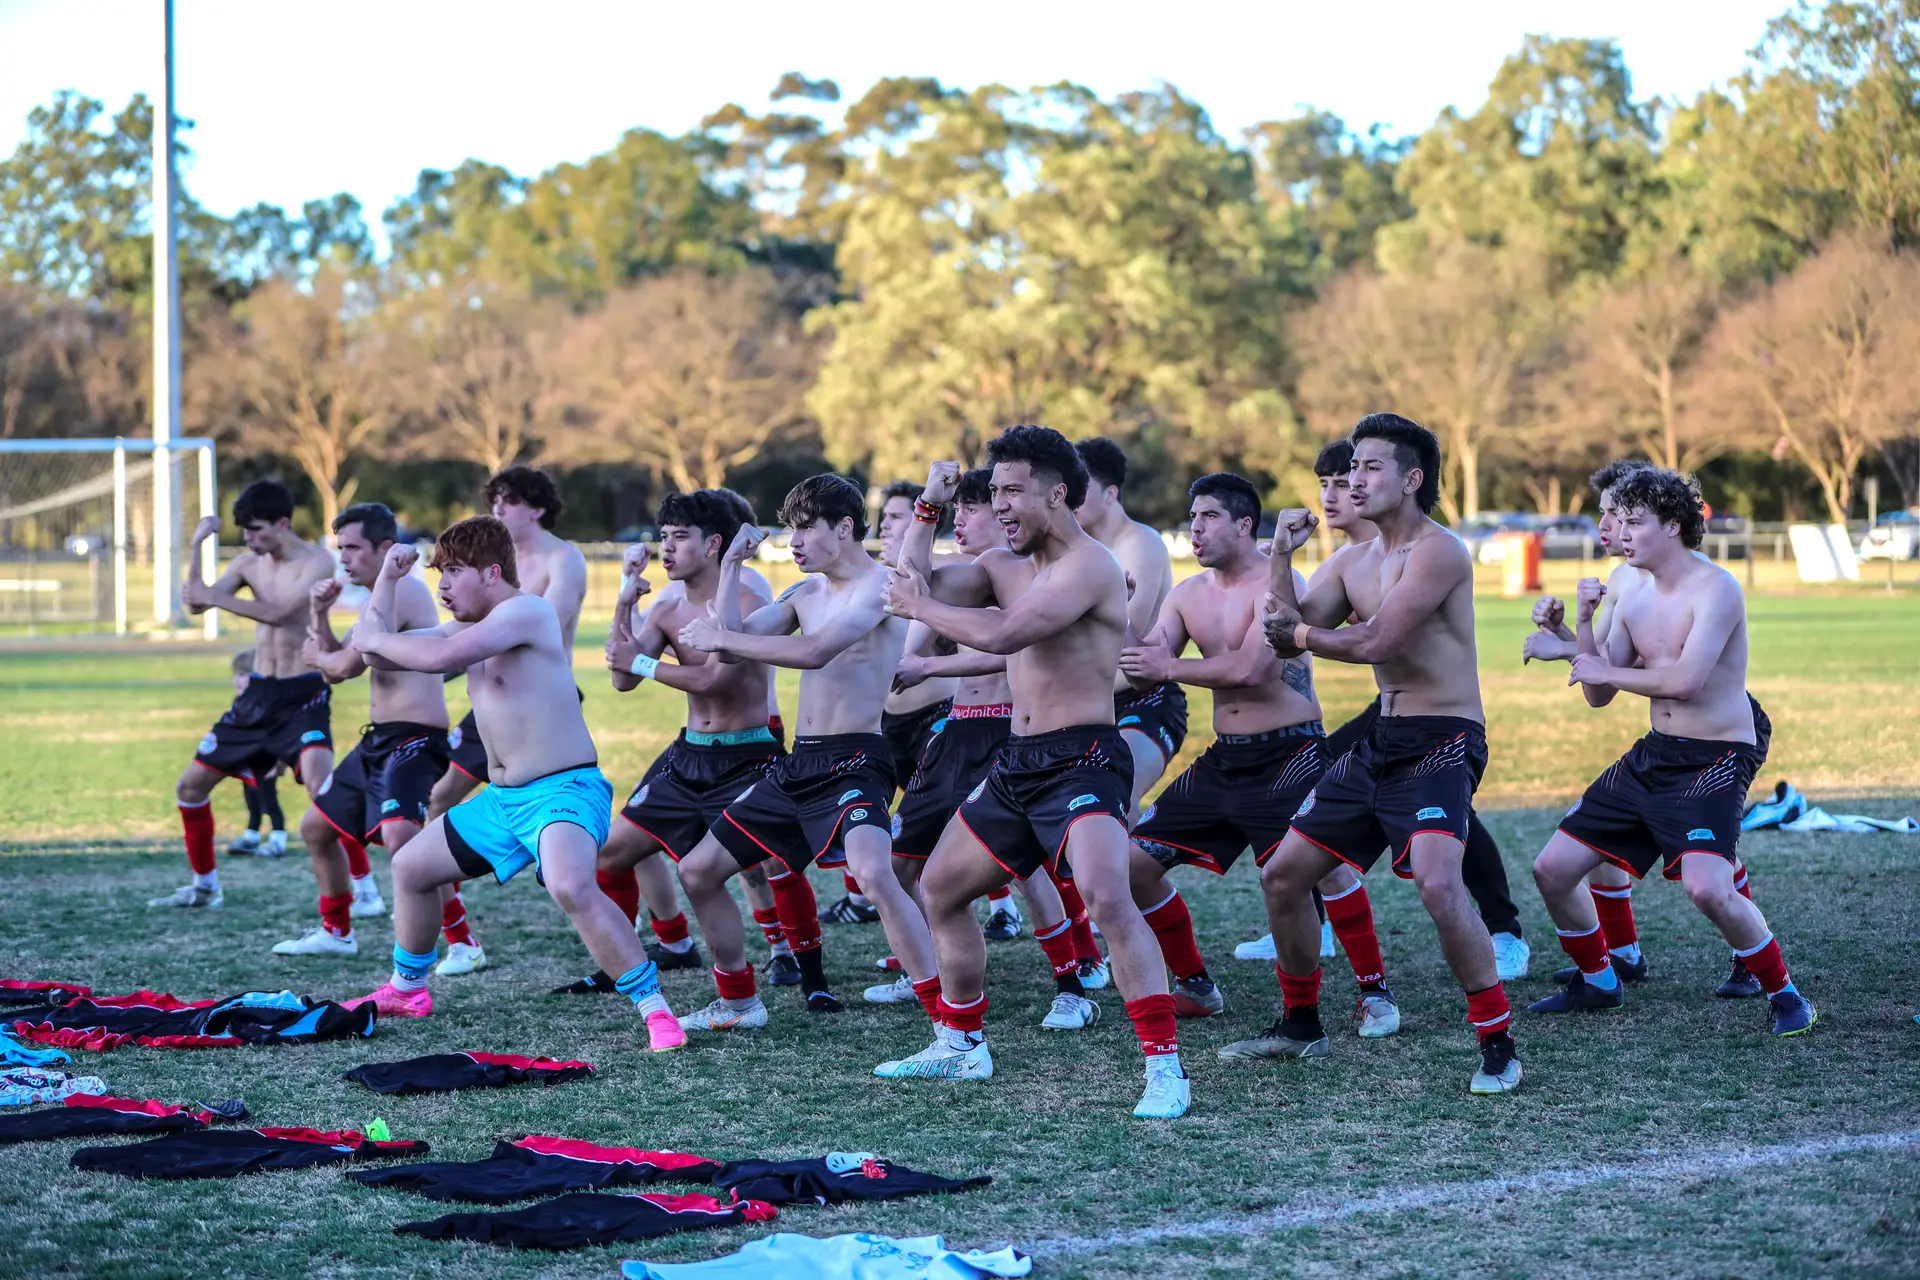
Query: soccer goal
{"x": 85, "y": 548}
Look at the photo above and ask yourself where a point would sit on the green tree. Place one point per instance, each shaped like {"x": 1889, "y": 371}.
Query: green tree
{"x": 1329, "y": 191}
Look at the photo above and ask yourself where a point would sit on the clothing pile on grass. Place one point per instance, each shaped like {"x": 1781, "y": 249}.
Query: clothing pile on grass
{"x": 1788, "y": 810}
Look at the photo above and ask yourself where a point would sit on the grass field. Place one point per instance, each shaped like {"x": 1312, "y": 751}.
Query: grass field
{"x": 1371, "y": 1163}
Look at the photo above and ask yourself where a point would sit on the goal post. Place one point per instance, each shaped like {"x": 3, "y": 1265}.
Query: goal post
{"x": 80, "y": 522}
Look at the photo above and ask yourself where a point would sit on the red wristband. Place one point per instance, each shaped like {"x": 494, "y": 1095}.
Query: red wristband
{"x": 927, "y": 512}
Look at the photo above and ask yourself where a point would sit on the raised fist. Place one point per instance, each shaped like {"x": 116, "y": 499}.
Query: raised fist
{"x": 401, "y": 557}
{"x": 1588, "y": 596}
{"x": 745, "y": 543}
{"x": 1549, "y": 613}
{"x": 943, "y": 481}
{"x": 207, "y": 528}
{"x": 323, "y": 593}
{"x": 1292, "y": 527}
{"x": 704, "y": 633}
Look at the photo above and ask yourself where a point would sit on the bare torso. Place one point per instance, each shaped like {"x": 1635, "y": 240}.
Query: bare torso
{"x": 554, "y": 569}
{"x": 276, "y": 649}
{"x": 1218, "y": 616}
{"x": 848, "y": 694}
{"x": 528, "y": 705}
{"x": 1657, "y": 620}
{"x": 1143, "y": 556}
{"x": 744, "y": 693}
{"x": 416, "y": 697}
{"x": 1437, "y": 672}
{"x": 1068, "y": 678}
{"x": 935, "y": 689}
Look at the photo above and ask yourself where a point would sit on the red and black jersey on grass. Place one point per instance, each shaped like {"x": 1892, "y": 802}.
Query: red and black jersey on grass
{"x": 16, "y": 993}
{"x": 85, "y": 1115}
{"x": 540, "y": 1166}
{"x": 445, "y": 1072}
{"x": 228, "y": 1153}
{"x": 161, "y": 1021}
{"x": 574, "y": 1221}
{"x": 834, "y": 1179}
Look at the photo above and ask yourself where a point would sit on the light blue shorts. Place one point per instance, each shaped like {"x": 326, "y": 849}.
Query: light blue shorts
{"x": 497, "y": 832}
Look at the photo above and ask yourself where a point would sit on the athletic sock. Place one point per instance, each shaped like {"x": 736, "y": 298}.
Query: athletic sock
{"x": 1588, "y": 951}
{"x": 1153, "y": 1024}
{"x": 1488, "y": 1011}
{"x": 1351, "y": 914}
{"x": 641, "y": 984}
{"x": 208, "y": 880}
{"x": 968, "y": 1017}
{"x": 358, "y": 865}
{"x": 1080, "y": 928}
{"x": 737, "y": 989}
{"x": 1057, "y": 943}
{"x": 1741, "y": 885}
{"x": 768, "y": 918}
{"x": 336, "y": 914}
{"x": 1615, "y": 909}
{"x": 927, "y": 991}
{"x": 813, "y": 970}
{"x": 410, "y": 968}
{"x": 854, "y": 895}
{"x": 362, "y": 884}
{"x": 453, "y": 920}
{"x": 1767, "y": 964}
{"x": 799, "y": 912}
{"x": 1172, "y": 924}
{"x": 196, "y": 823}
{"x": 672, "y": 932}
{"x": 997, "y": 897}
{"x": 1298, "y": 994}
{"x": 623, "y": 886}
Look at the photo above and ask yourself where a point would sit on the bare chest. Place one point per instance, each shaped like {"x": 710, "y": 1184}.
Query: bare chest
{"x": 1657, "y": 626}
{"x": 1369, "y": 581}
{"x": 1218, "y": 619}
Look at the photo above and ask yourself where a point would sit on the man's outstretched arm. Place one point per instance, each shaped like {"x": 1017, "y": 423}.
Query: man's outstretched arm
{"x": 1435, "y": 567}
{"x": 1714, "y": 619}
{"x": 1035, "y": 616}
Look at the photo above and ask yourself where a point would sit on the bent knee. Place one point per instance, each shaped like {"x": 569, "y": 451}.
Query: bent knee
{"x": 314, "y": 828}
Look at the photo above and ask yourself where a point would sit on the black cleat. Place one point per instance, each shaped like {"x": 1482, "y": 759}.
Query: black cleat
{"x": 1299, "y": 1035}
{"x": 1581, "y": 996}
{"x": 667, "y": 961}
{"x": 824, "y": 1002}
{"x": 782, "y": 970}
{"x": 596, "y": 983}
{"x": 1001, "y": 926}
{"x": 1499, "y": 1064}
{"x": 1740, "y": 985}
{"x": 1631, "y": 972}
{"x": 847, "y": 911}
{"x": 1792, "y": 1013}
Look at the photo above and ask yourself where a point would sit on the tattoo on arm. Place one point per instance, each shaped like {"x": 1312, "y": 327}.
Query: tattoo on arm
{"x": 1298, "y": 676}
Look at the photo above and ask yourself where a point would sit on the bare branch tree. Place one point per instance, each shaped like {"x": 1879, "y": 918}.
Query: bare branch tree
{"x": 472, "y": 371}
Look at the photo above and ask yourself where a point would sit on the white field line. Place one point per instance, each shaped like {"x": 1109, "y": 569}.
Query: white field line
{"x": 1700, "y": 1164}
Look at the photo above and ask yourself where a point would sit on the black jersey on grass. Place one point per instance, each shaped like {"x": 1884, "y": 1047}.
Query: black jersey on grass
{"x": 574, "y": 1221}
{"x": 85, "y": 1115}
{"x": 228, "y": 1153}
{"x": 539, "y": 1166}
{"x": 162, "y": 1021}
{"x": 799, "y": 1181}
{"x": 445, "y": 1072}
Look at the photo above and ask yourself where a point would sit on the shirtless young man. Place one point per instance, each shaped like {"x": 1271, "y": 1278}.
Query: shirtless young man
{"x": 1267, "y": 753}
{"x": 1610, "y": 887}
{"x": 1411, "y": 779}
{"x": 282, "y": 717}
{"x": 838, "y": 780}
{"x": 527, "y": 501}
{"x": 1055, "y": 604}
{"x": 378, "y": 794}
{"x": 548, "y": 803}
{"x": 1680, "y": 641}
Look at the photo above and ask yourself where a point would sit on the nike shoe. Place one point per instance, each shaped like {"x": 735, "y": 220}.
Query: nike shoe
{"x": 1197, "y": 997}
{"x": 244, "y": 845}
{"x": 1261, "y": 948}
{"x": 1792, "y": 1013}
{"x": 1581, "y": 996}
{"x": 367, "y": 901}
{"x": 1095, "y": 975}
{"x": 1169, "y": 1092}
{"x": 941, "y": 1061}
{"x": 1784, "y": 805}
{"x": 1001, "y": 926}
{"x": 1631, "y": 972}
{"x": 847, "y": 911}
{"x": 1375, "y": 1015}
{"x": 395, "y": 1003}
{"x": 462, "y": 957}
{"x": 1511, "y": 955}
{"x": 1070, "y": 1013}
{"x": 1740, "y": 983}
{"x": 782, "y": 970}
{"x": 664, "y": 1032}
{"x": 318, "y": 942}
{"x": 1499, "y": 1065}
{"x": 824, "y": 1002}
{"x": 899, "y": 991}
{"x": 191, "y": 896}
{"x": 1327, "y": 948}
{"x": 721, "y": 1016}
{"x": 596, "y": 983}
{"x": 667, "y": 960}
{"x": 1284, "y": 1039}
{"x": 888, "y": 964}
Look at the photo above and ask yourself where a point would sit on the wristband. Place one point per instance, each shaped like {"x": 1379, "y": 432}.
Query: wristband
{"x": 928, "y": 512}
{"x": 1300, "y": 636}
{"x": 643, "y": 666}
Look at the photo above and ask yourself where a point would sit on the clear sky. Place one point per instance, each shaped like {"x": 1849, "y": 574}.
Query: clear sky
{"x": 290, "y": 102}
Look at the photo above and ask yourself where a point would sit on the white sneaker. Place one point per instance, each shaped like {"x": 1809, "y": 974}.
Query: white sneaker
{"x": 1327, "y": 948}
{"x": 940, "y": 1061}
{"x": 367, "y": 901}
{"x": 190, "y": 896}
{"x": 1510, "y": 956}
{"x": 318, "y": 943}
{"x": 276, "y": 845}
{"x": 462, "y": 957}
{"x": 1070, "y": 1013}
{"x": 721, "y": 1016}
{"x": 1169, "y": 1092}
{"x": 247, "y": 842}
{"x": 1095, "y": 975}
{"x": 1260, "y": 948}
{"x": 899, "y": 991}
{"x": 1376, "y": 1016}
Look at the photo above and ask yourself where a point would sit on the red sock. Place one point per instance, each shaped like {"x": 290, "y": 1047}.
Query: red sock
{"x": 672, "y": 929}
{"x": 967, "y": 1016}
{"x": 624, "y": 888}
{"x": 1351, "y": 915}
{"x": 1767, "y": 964}
{"x": 1153, "y": 1023}
{"x": 1084, "y": 946}
{"x": 1057, "y": 942}
{"x": 196, "y": 820}
{"x": 853, "y": 886}
{"x": 1298, "y": 993}
{"x": 357, "y": 865}
{"x": 928, "y": 989}
{"x": 1172, "y": 923}
{"x": 1587, "y": 950}
{"x": 799, "y": 911}
{"x": 1488, "y": 1010}
{"x": 734, "y": 986}
{"x": 453, "y": 920}
{"x": 769, "y": 921}
{"x": 1000, "y": 895}
{"x": 336, "y": 914}
{"x": 1615, "y": 909}
{"x": 1740, "y": 885}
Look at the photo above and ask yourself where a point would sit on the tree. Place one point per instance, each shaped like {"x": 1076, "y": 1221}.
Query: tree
{"x": 1328, "y": 190}
{"x": 472, "y": 370}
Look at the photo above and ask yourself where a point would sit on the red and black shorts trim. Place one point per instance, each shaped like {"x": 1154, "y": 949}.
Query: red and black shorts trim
{"x": 387, "y": 777}
{"x": 1160, "y": 713}
{"x": 689, "y": 786}
{"x": 275, "y": 720}
{"x": 808, "y": 799}
{"x": 465, "y": 751}
{"x": 1408, "y": 776}
{"x": 907, "y": 735}
{"x": 956, "y": 761}
{"x": 1240, "y": 794}
{"x": 1040, "y": 785}
{"x": 1667, "y": 797}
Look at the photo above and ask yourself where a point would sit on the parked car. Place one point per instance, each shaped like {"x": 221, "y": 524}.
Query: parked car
{"x": 1894, "y": 536}
{"x": 1569, "y": 538}
{"x": 638, "y": 533}
{"x": 1477, "y": 532}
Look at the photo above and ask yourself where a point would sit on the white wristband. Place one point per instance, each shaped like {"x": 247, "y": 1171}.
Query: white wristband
{"x": 643, "y": 666}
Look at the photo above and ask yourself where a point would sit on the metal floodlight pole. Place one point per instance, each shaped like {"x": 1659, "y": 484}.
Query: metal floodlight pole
{"x": 166, "y": 347}
{"x": 119, "y": 538}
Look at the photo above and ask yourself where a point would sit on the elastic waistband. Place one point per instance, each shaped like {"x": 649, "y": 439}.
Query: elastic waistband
{"x": 557, "y": 773}
{"x": 843, "y": 742}
{"x": 984, "y": 711}
{"x": 1455, "y": 723}
{"x": 1669, "y": 741}
{"x": 1306, "y": 729}
{"x": 1128, "y": 696}
{"x": 305, "y": 677}
{"x": 728, "y": 737}
{"x": 933, "y": 711}
{"x": 1073, "y": 732}
{"x": 403, "y": 728}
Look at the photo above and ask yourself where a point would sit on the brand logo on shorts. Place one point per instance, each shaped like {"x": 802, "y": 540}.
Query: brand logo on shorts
{"x": 1429, "y": 812}
{"x": 896, "y": 828}
{"x": 1306, "y": 806}
{"x": 1127, "y": 721}
{"x": 743, "y": 795}
{"x": 1166, "y": 741}
{"x": 313, "y": 735}
{"x": 454, "y": 738}
{"x": 389, "y": 806}
{"x": 207, "y": 744}
{"x": 851, "y": 795}
{"x": 1081, "y": 801}
{"x": 858, "y": 815}
{"x": 1146, "y": 815}
{"x": 1700, "y": 833}
{"x": 974, "y": 794}
{"x": 325, "y": 786}
{"x": 640, "y": 794}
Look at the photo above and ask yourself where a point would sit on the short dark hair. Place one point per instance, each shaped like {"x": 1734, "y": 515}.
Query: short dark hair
{"x": 375, "y": 519}
{"x": 1668, "y": 495}
{"x": 1413, "y": 446}
{"x": 1334, "y": 459}
{"x": 266, "y": 500}
{"x": 1235, "y": 493}
{"x": 475, "y": 543}
{"x": 1614, "y": 472}
{"x": 530, "y": 487}
{"x": 1047, "y": 452}
{"x": 1106, "y": 462}
{"x": 901, "y": 489}
{"x": 976, "y": 487}
{"x": 741, "y": 507}
{"x": 825, "y": 497}
{"x": 704, "y": 509}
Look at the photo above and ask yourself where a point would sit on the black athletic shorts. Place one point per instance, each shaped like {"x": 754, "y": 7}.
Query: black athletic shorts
{"x": 387, "y": 777}
{"x": 956, "y": 761}
{"x": 907, "y": 737}
{"x": 1409, "y": 776}
{"x": 275, "y": 720}
{"x": 1160, "y": 713}
{"x": 1040, "y": 785}
{"x": 686, "y": 790}
{"x": 1241, "y": 794}
{"x": 806, "y": 799}
{"x": 465, "y": 750}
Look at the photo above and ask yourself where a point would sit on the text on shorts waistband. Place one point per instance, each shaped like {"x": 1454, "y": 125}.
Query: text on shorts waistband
{"x": 985, "y": 711}
{"x": 729, "y": 737}
{"x": 1305, "y": 729}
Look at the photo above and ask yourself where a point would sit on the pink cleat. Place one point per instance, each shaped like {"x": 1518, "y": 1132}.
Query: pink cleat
{"x": 395, "y": 1003}
{"x": 664, "y": 1033}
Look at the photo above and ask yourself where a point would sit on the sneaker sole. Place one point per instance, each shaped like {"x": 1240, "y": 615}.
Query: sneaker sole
{"x": 1499, "y": 1086}
{"x": 1307, "y": 1051}
{"x": 1377, "y": 1031}
{"x": 1811, "y": 1022}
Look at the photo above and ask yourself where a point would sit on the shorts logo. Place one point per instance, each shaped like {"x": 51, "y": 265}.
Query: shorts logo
{"x": 1700, "y": 833}
{"x": 389, "y": 806}
{"x": 896, "y": 828}
{"x": 1429, "y": 812}
{"x": 1147, "y": 814}
{"x": 1166, "y": 742}
{"x": 313, "y": 735}
{"x": 975, "y": 793}
{"x": 1126, "y": 721}
{"x": 851, "y": 795}
{"x": 1082, "y": 801}
{"x": 858, "y": 815}
{"x": 325, "y": 786}
{"x": 743, "y": 795}
{"x": 454, "y": 738}
{"x": 207, "y": 744}
{"x": 640, "y": 795}
{"x": 1306, "y": 806}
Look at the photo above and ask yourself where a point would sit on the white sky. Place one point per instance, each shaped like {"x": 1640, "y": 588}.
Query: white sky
{"x": 290, "y": 102}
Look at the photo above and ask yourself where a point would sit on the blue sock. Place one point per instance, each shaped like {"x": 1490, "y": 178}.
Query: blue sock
{"x": 1605, "y": 980}
{"x": 639, "y": 982}
{"x": 412, "y": 966}
{"x": 1630, "y": 953}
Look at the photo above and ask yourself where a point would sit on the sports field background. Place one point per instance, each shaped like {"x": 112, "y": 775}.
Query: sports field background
{"x": 92, "y": 740}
